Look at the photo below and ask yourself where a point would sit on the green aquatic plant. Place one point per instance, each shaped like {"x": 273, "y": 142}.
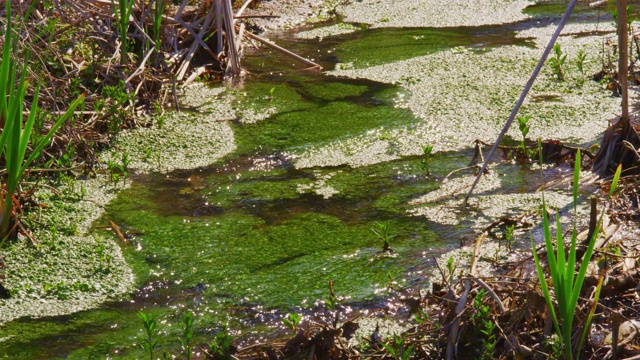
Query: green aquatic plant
{"x": 524, "y": 152}
{"x": 292, "y": 321}
{"x": 508, "y": 236}
{"x": 16, "y": 136}
{"x": 426, "y": 158}
{"x": 187, "y": 334}
{"x": 557, "y": 62}
{"x": 221, "y": 347}
{"x": 152, "y": 336}
{"x": 382, "y": 232}
{"x": 397, "y": 348}
{"x": 565, "y": 282}
{"x": 451, "y": 269}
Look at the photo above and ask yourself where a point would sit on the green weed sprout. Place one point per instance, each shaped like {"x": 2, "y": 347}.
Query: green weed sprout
{"x": 508, "y": 235}
{"x": 221, "y": 345}
{"x": 292, "y": 321}
{"x": 122, "y": 13}
{"x": 557, "y": 62}
{"x": 426, "y": 160}
{"x": 15, "y": 137}
{"x": 187, "y": 333}
{"x": 382, "y": 232}
{"x": 523, "y": 124}
{"x": 150, "y": 323}
{"x": 451, "y": 269}
{"x": 566, "y": 283}
{"x": 486, "y": 325}
{"x": 397, "y": 349}
{"x": 580, "y": 62}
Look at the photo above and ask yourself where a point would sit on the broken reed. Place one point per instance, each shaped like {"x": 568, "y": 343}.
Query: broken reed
{"x": 565, "y": 282}
{"x": 15, "y": 137}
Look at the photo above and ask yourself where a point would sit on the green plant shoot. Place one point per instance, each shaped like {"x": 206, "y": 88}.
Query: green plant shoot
{"x": 292, "y": 321}
{"x": 566, "y": 283}
{"x": 557, "y": 62}
{"x": 150, "y": 323}
{"x": 122, "y": 13}
{"x": 187, "y": 333}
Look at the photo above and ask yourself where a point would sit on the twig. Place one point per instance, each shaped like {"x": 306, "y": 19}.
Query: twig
{"x": 455, "y": 326}
{"x": 118, "y": 232}
{"x": 256, "y": 16}
{"x": 489, "y": 291}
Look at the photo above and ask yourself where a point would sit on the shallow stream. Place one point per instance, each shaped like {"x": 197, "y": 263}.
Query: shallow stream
{"x": 252, "y": 237}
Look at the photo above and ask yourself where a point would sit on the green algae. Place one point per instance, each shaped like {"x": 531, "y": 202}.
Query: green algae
{"x": 315, "y": 112}
{"x": 382, "y": 46}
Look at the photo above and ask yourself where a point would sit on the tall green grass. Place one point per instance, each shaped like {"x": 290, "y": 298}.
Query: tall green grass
{"x": 14, "y": 141}
{"x": 122, "y": 14}
{"x": 157, "y": 23}
{"x": 565, "y": 282}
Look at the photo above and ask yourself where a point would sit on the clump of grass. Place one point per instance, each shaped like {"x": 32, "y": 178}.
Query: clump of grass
{"x": 397, "y": 348}
{"x": 565, "y": 282}
{"x": 157, "y": 23}
{"x": 17, "y": 135}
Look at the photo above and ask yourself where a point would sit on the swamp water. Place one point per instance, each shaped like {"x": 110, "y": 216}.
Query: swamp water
{"x": 252, "y": 237}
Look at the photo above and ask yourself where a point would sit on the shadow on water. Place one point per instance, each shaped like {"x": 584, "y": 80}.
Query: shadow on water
{"x": 252, "y": 237}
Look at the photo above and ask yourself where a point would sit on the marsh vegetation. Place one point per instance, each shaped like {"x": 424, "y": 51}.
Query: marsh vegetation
{"x": 299, "y": 214}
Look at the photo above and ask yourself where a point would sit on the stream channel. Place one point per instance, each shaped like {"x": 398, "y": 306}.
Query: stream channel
{"x": 251, "y": 237}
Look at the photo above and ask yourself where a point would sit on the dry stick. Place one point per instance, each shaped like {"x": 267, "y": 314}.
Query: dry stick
{"x": 118, "y": 232}
{"x": 218, "y": 5}
{"x": 243, "y": 8}
{"x": 630, "y": 146}
{"x": 140, "y": 68}
{"x": 199, "y": 71}
{"x": 532, "y": 79}
{"x": 623, "y": 61}
{"x": 455, "y": 325}
{"x": 283, "y": 50}
{"x": 256, "y": 16}
{"x": 233, "y": 67}
{"x": 490, "y": 292}
{"x": 197, "y": 38}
